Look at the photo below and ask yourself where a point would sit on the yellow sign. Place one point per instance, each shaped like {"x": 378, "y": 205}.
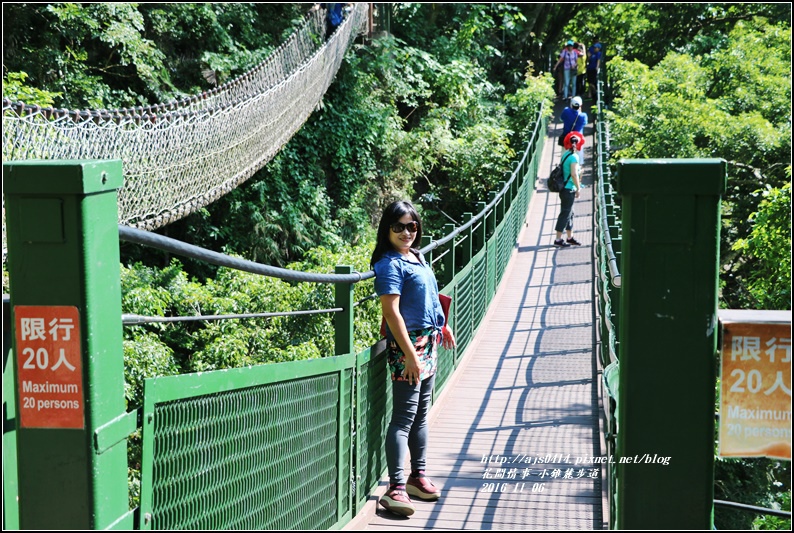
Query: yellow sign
{"x": 755, "y": 399}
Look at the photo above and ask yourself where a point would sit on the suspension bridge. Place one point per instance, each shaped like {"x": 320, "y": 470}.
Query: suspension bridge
{"x": 517, "y": 436}
{"x": 554, "y": 376}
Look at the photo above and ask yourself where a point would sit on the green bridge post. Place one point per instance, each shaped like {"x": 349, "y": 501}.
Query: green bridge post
{"x": 448, "y": 260}
{"x": 63, "y": 264}
{"x": 343, "y": 320}
{"x": 468, "y": 248}
{"x": 480, "y": 236}
{"x": 668, "y": 342}
{"x": 490, "y": 217}
{"x": 425, "y": 241}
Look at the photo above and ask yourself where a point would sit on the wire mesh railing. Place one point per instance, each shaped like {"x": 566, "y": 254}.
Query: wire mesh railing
{"x": 250, "y": 434}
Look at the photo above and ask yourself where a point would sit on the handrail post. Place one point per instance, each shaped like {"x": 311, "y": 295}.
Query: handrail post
{"x": 466, "y": 251}
{"x": 515, "y": 184}
{"x": 449, "y": 258}
{"x": 425, "y": 241}
{"x": 343, "y": 320}
{"x": 668, "y": 342}
{"x": 490, "y": 218}
{"x": 491, "y": 223}
{"x": 509, "y": 192}
{"x": 481, "y": 234}
{"x": 63, "y": 264}
{"x": 501, "y": 205}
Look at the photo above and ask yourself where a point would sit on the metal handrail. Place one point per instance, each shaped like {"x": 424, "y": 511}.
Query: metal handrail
{"x": 753, "y": 508}
{"x": 614, "y": 271}
{"x": 132, "y": 319}
{"x": 175, "y": 246}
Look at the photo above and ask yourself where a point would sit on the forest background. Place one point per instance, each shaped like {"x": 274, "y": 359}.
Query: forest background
{"x": 434, "y": 111}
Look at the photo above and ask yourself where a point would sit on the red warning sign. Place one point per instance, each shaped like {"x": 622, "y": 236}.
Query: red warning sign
{"x": 49, "y": 367}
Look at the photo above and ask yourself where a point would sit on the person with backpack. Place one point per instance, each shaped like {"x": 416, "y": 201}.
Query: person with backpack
{"x": 571, "y": 165}
{"x": 334, "y": 15}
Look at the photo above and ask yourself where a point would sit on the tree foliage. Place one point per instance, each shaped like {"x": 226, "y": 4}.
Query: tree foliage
{"x": 769, "y": 246}
{"x": 647, "y": 32}
{"x": 508, "y": 40}
{"x": 718, "y": 106}
{"x": 111, "y": 55}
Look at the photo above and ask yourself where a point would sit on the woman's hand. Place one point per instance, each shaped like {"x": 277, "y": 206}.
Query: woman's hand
{"x": 413, "y": 368}
{"x": 447, "y": 338}
{"x": 390, "y": 305}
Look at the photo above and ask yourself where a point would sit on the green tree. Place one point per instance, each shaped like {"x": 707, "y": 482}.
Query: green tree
{"x": 16, "y": 90}
{"x": 93, "y": 55}
{"x": 111, "y": 55}
{"x": 768, "y": 250}
{"x": 674, "y": 110}
{"x": 505, "y": 39}
{"x": 648, "y": 31}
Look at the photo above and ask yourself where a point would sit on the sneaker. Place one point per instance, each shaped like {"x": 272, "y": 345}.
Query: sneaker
{"x": 561, "y": 243}
{"x": 422, "y": 487}
{"x": 574, "y": 242}
{"x": 397, "y": 501}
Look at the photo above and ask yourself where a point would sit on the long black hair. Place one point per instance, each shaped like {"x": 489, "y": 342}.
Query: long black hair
{"x": 393, "y": 213}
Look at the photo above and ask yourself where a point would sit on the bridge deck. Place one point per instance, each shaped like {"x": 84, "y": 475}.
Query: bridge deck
{"x": 527, "y": 390}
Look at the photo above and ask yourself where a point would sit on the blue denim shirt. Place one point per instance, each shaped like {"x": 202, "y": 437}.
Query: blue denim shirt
{"x": 417, "y": 287}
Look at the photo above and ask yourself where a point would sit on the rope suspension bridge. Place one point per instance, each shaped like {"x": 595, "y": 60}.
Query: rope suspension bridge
{"x": 180, "y": 156}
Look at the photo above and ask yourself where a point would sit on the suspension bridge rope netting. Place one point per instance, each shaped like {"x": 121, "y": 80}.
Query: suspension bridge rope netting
{"x": 181, "y": 156}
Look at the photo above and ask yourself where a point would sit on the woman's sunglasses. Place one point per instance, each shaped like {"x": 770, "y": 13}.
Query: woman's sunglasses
{"x": 398, "y": 227}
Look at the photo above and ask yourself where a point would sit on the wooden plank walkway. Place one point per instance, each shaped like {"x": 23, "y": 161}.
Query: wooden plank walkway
{"x": 523, "y": 408}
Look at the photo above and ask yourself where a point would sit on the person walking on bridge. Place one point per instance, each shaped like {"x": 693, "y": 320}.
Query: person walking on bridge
{"x": 593, "y": 66}
{"x": 574, "y": 119}
{"x": 570, "y": 192}
{"x": 335, "y": 13}
{"x": 568, "y": 58}
{"x": 416, "y": 323}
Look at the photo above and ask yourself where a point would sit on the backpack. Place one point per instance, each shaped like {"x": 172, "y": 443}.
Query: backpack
{"x": 556, "y": 181}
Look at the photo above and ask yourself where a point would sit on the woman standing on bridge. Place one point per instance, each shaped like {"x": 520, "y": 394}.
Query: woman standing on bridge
{"x": 415, "y": 322}
{"x": 571, "y": 172}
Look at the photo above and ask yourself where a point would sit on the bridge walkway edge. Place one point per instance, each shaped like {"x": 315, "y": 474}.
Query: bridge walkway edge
{"x": 528, "y": 390}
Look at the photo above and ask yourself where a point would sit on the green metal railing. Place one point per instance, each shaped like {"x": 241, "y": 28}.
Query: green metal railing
{"x": 352, "y": 413}
{"x": 657, "y": 333}
{"x": 608, "y": 233}
{"x": 241, "y": 448}
{"x": 248, "y": 448}
{"x": 607, "y": 226}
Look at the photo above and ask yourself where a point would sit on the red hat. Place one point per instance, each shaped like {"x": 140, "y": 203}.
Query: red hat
{"x": 567, "y": 141}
